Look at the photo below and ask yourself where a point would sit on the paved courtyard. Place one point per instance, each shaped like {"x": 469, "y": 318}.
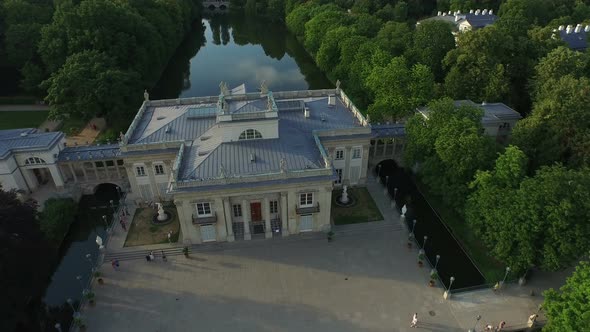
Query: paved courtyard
{"x": 366, "y": 279}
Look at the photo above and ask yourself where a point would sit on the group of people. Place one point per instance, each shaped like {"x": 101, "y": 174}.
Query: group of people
{"x": 488, "y": 327}
{"x": 150, "y": 257}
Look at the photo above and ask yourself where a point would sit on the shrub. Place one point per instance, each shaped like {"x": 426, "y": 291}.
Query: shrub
{"x": 56, "y": 218}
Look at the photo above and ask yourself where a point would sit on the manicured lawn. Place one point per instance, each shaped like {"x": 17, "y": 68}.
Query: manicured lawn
{"x": 143, "y": 232}
{"x": 364, "y": 210}
{"x": 22, "y": 119}
{"x": 492, "y": 270}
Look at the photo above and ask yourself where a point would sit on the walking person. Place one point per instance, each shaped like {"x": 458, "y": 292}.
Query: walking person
{"x": 114, "y": 265}
{"x": 123, "y": 225}
{"x": 414, "y": 320}
{"x": 164, "y": 256}
{"x": 152, "y": 257}
{"x": 501, "y": 326}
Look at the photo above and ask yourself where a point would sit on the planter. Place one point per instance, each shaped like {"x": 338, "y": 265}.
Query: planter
{"x": 185, "y": 252}
{"x": 420, "y": 263}
{"x": 431, "y": 283}
{"x": 100, "y": 281}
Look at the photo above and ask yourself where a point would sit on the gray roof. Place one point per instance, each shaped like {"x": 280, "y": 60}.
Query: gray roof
{"x": 388, "y": 130}
{"x": 247, "y": 185}
{"x": 296, "y": 144}
{"x": 480, "y": 21}
{"x": 575, "y": 40}
{"x": 26, "y": 139}
{"x": 90, "y": 152}
{"x": 493, "y": 112}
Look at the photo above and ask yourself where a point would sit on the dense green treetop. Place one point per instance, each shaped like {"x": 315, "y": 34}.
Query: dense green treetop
{"x": 432, "y": 41}
{"x": 569, "y": 308}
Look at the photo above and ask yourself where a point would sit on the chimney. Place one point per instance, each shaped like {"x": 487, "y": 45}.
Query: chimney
{"x": 477, "y": 12}
{"x": 449, "y": 13}
{"x": 491, "y": 12}
{"x": 484, "y": 12}
{"x": 331, "y": 101}
{"x": 569, "y": 29}
{"x": 471, "y": 11}
{"x": 458, "y": 12}
{"x": 578, "y": 28}
{"x": 306, "y": 112}
{"x": 561, "y": 27}
{"x": 457, "y": 18}
{"x": 587, "y": 28}
{"x": 439, "y": 13}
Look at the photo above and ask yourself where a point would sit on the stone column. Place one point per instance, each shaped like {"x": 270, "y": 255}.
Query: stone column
{"x": 220, "y": 225}
{"x": 284, "y": 215}
{"x": 364, "y": 165}
{"x": 56, "y": 175}
{"x": 346, "y": 170}
{"x": 292, "y": 198}
{"x": 132, "y": 181}
{"x": 246, "y": 218}
{"x": 84, "y": 172}
{"x": 384, "y": 146}
{"x": 150, "y": 170}
{"x": 106, "y": 169}
{"x": 73, "y": 172}
{"x": 394, "y": 146}
{"x": 95, "y": 170}
{"x": 228, "y": 220}
{"x": 266, "y": 216}
{"x": 117, "y": 169}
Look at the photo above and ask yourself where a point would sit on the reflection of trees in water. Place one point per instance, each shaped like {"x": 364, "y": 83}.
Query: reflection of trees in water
{"x": 176, "y": 76}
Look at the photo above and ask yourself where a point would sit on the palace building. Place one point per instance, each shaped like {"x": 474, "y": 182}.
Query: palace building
{"x": 236, "y": 166}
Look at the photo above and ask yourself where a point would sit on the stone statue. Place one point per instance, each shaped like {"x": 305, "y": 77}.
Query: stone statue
{"x": 344, "y": 198}
{"x": 283, "y": 165}
{"x": 222, "y": 172}
{"x": 146, "y": 95}
{"x": 269, "y": 100}
{"x": 404, "y": 210}
{"x": 224, "y": 89}
{"x": 338, "y": 84}
{"x": 263, "y": 87}
{"x": 368, "y": 118}
{"x": 161, "y": 213}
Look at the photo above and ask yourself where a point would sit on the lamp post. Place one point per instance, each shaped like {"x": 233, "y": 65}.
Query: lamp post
{"x": 71, "y": 303}
{"x": 476, "y": 321}
{"x": 378, "y": 171}
{"x": 436, "y": 264}
{"x": 58, "y": 327}
{"x": 79, "y": 278}
{"x": 413, "y": 227}
{"x": 505, "y": 276}
{"x": 112, "y": 206}
{"x": 89, "y": 259}
{"x": 394, "y": 196}
{"x": 447, "y": 293}
{"x": 106, "y": 223}
{"x": 424, "y": 243}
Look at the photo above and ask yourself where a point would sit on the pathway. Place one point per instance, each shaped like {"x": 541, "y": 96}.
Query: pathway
{"x": 24, "y": 108}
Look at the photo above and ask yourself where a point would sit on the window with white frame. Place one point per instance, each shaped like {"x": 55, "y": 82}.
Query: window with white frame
{"x": 274, "y": 206}
{"x": 356, "y": 153}
{"x": 237, "y": 210}
{"x": 339, "y": 174}
{"x": 250, "y": 134}
{"x": 140, "y": 171}
{"x": 34, "y": 160}
{"x": 159, "y": 168}
{"x": 339, "y": 154}
{"x": 306, "y": 199}
{"x": 204, "y": 209}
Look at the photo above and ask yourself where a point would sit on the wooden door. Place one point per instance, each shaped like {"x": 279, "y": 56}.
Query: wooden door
{"x": 256, "y": 211}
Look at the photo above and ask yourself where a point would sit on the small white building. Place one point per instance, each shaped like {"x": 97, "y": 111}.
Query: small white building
{"x": 575, "y": 38}
{"x": 475, "y": 19}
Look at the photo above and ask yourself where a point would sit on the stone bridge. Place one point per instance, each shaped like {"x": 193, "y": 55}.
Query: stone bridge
{"x": 388, "y": 142}
{"x": 216, "y": 4}
{"x": 86, "y": 167}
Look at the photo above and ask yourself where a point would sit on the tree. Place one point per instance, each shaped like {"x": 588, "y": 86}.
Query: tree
{"x": 540, "y": 222}
{"x": 56, "y": 218}
{"x": 398, "y": 89}
{"x": 394, "y": 37}
{"x": 400, "y": 11}
{"x": 328, "y": 56}
{"x": 317, "y": 27}
{"x": 298, "y": 17}
{"x": 25, "y": 262}
{"x": 569, "y": 309}
{"x": 432, "y": 41}
{"x": 85, "y": 87}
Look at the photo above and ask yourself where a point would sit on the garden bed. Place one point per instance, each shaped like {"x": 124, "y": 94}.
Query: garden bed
{"x": 364, "y": 209}
{"x": 143, "y": 232}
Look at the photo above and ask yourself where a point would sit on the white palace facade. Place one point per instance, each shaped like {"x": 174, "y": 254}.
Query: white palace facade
{"x": 236, "y": 166}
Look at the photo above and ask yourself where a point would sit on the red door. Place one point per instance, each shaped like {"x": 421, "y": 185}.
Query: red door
{"x": 255, "y": 211}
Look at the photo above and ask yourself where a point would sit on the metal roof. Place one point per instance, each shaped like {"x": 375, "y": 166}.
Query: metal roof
{"x": 26, "y": 139}
{"x": 493, "y": 112}
{"x": 481, "y": 20}
{"x": 90, "y": 152}
{"x": 575, "y": 40}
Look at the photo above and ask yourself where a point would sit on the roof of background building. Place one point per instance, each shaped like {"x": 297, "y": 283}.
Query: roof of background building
{"x": 493, "y": 112}
{"x": 575, "y": 40}
{"x": 295, "y": 144}
{"x": 26, "y": 139}
{"x": 90, "y": 152}
{"x": 476, "y": 21}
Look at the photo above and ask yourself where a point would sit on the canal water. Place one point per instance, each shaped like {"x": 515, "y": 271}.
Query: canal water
{"x": 454, "y": 261}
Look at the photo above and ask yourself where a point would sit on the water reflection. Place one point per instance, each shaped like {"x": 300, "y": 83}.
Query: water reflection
{"x": 238, "y": 50}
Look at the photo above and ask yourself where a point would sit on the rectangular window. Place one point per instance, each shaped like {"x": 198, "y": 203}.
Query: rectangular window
{"x": 306, "y": 199}
{"x": 140, "y": 171}
{"x": 237, "y": 210}
{"x": 110, "y": 163}
{"x": 274, "y": 206}
{"x": 120, "y": 162}
{"x": 356, "y": 153}
{"x": 339, "y": 173}
{"x": 159, "y": 169}
{"x": 203, "y": 209}
{"x": 339, "y": 154}
{"x": 99, "y": 164}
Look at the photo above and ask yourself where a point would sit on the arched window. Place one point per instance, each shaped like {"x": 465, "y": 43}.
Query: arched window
{"x": 250, "y": 134}
{"x": 34, "y": 161}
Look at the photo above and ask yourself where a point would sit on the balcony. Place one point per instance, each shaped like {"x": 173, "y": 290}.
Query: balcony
{"x": 201, "y": 220}
{"x": 308, "y": 209}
